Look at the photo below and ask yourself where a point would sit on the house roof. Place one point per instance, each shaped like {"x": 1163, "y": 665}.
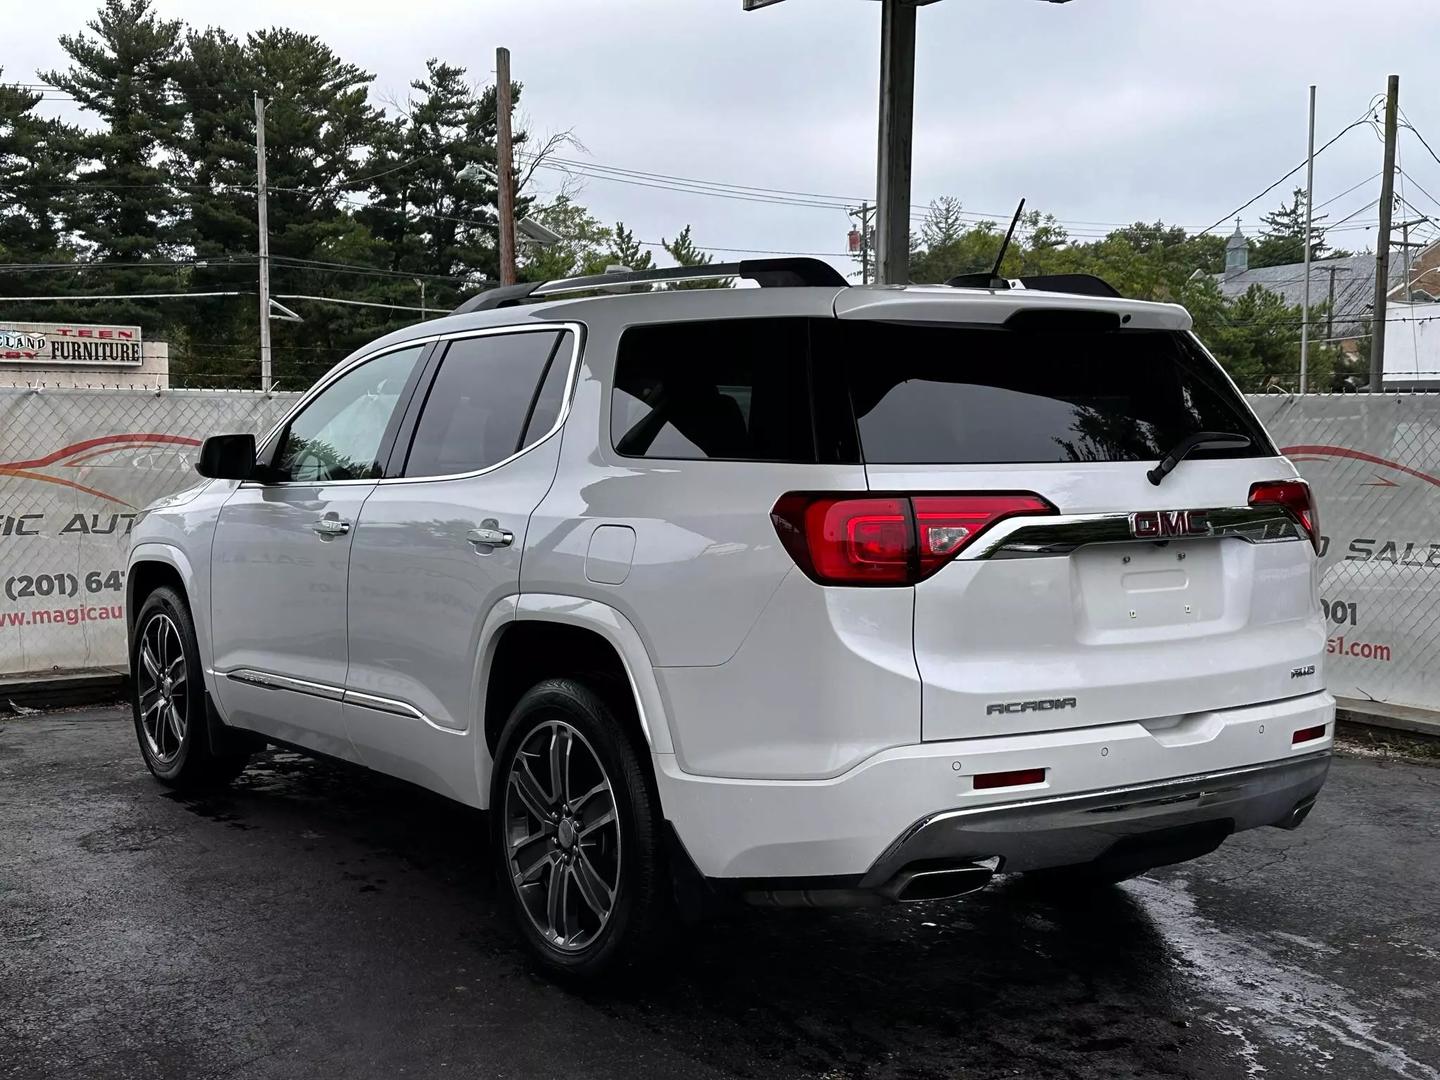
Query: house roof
{"x": 1354, "y": 286}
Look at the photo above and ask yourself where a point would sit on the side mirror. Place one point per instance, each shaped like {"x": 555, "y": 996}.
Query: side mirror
{"x": 227, "y": 457}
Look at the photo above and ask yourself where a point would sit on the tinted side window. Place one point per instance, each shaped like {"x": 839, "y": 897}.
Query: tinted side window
{"x": 550, "y": 398}
{"x": 981, "y": 395}
{"x": 733, "y": 389}
{"x": 476, "y": 411}
{"x": 339, "y": 434}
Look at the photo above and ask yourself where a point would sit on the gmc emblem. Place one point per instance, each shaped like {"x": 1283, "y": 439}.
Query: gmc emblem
{"x": 1163, "y": 524}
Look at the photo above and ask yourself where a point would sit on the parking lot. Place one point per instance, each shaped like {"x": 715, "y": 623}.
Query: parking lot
{"x": 317, "y": 921}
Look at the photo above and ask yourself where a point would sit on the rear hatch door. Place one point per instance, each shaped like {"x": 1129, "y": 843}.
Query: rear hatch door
{"x": 1082, "y": 624}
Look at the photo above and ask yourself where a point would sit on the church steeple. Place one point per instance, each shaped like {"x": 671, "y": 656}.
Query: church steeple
{"x": 1237, "y": 253}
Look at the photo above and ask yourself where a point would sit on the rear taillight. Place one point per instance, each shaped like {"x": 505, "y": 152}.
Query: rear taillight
{"x": 1309, "y": 734}
{"x": 1295, "y": 498}
{"x": 888, "y": 539}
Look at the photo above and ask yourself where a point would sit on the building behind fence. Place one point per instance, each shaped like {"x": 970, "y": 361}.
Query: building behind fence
{"x": 77, "y": 465}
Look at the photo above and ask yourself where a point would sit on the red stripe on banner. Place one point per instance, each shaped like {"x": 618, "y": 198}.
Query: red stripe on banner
{"x": 5, "y": 470}
{"x": 1316, "y": 452}
{"x": 103, "y": 440}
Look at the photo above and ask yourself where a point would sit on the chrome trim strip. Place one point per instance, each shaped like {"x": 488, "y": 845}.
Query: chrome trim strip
{"x": 1039, "y": 536}
{"x": 394, "y": 707}
{"x": 575, "y": 328}
{"x": 268, "y": 681}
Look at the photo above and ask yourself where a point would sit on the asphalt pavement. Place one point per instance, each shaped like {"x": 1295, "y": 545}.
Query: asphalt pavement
{"x": 316, "y": 921}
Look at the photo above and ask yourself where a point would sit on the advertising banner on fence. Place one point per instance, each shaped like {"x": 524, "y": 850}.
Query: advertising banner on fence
{"x": 76, "y": 466}
{"x": 1374, "y": 462}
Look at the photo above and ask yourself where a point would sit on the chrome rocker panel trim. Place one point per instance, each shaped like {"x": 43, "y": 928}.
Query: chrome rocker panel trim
{"x": 374, "y": 702}
{"x": 1062, "y": 830}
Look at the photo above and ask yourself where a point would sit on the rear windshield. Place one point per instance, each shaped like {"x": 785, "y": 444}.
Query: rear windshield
{"x": 946, "y": 394}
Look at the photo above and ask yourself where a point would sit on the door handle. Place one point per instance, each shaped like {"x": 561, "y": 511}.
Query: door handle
{"x": 490, "y": 536}
{"x": 330, "y": 527}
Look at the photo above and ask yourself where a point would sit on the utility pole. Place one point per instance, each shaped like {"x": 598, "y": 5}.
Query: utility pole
{"x": 897, "y": 120}
{"x": 1330, "y": 310}
{"x": 1309, "y": 224}
{"x": 1382, "y": 243}
{"x": 263, "y": 198}
{"x": 505, "y": 166}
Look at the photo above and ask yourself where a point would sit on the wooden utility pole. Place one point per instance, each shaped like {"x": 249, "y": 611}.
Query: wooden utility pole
{"x": 897, "y": 120}
{"x": 262, "y": 194}
{"x": 505, "y": 166}
{"x": 1382, "y": 242}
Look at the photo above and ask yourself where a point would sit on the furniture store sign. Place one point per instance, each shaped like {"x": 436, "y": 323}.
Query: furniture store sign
{"x": 58, "y": 344}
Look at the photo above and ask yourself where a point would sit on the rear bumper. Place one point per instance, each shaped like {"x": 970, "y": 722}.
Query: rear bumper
{"x": 1062, "y": 830}
{"x": 919, "y": 802}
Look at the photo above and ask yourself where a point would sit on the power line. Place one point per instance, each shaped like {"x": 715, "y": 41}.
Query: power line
{"x": 1368, "y": 117}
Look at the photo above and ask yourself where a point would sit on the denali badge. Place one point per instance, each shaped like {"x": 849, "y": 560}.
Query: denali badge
{"x": 1042, "y": 705}
{"x": 1163, "y": 524}
{"x": 1302, "y": 672}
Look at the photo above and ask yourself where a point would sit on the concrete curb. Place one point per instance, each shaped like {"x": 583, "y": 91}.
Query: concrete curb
{"x": 62, "y": 689}
{"x": 1383, "y": 715}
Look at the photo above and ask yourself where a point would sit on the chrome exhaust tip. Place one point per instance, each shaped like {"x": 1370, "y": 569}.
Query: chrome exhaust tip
{"x": 940, "y": 883}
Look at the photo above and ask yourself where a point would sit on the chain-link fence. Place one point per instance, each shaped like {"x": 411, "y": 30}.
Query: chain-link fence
{"x": 76, "y": 466}
{"x": 1374, "y": 462}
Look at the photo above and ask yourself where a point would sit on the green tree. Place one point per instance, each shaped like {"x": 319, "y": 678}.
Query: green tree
{"x": 1283, "y": 241}
{"x": 683, "y": 250}
{"x": 123, "y": 207}
{"x": 584, "y": 247}
{"x": 35, "y": 177}
{"x": 625, "y": 250}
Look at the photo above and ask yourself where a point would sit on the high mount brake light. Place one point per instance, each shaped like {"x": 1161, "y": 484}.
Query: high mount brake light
{"x": 888, "y": 539}
{"x": 1295, "y": 498}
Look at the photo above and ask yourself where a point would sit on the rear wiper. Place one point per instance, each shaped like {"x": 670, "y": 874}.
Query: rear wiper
{"x": 1201, "y": 440}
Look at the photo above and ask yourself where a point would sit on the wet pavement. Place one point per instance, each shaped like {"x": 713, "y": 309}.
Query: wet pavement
{"x": 321, "y": 922}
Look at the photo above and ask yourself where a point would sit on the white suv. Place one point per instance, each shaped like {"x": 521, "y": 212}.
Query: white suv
{"x": 799, "y": 594}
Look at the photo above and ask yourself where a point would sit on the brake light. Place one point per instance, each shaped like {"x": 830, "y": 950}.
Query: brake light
{"x": 1296, "y": 498}
{"x": 887, "y": 539}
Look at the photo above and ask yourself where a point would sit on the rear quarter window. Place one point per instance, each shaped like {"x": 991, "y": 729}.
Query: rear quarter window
{"x": 731, "y": 389}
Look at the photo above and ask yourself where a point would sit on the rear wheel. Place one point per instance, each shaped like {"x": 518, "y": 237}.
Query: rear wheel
{"x": 577, "y": 831}
{"x": 167, "y": 697}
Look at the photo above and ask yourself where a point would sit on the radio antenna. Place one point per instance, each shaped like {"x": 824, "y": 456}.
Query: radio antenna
{"x": 996, "y": 281}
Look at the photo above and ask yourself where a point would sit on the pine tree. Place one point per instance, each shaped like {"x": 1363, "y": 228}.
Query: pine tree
{"x": 35, "y": 180}
{"x": 124, "y": 208}
{"x": 625, "y": 250}
{"x": 683, "y": 250}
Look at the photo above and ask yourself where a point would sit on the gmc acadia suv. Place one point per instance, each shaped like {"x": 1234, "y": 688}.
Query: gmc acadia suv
{"x": 800, "y": 594}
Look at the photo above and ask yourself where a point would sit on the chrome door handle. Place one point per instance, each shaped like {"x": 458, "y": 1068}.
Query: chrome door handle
{"x": 329, "y": 528}
{"x": 489, "y": 536}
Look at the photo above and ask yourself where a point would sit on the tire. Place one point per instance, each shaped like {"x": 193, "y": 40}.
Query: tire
{"x": 171, "y": 709}
{"x": 597, "y": 835}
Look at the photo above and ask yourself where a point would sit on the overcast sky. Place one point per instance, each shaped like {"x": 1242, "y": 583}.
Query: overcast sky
{"x": 1099, "y": 111}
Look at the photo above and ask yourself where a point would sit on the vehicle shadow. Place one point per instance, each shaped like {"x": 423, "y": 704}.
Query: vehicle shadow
{"x": 1004, "y": 982}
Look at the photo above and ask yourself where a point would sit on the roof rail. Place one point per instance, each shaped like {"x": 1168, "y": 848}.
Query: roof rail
{"x": 767, "y": 273}
{"x": 1077, "y": 284}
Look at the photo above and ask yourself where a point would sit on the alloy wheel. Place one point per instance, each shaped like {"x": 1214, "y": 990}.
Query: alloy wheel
{"x": 163, "y": 682}
{"x": 563, "y": 836}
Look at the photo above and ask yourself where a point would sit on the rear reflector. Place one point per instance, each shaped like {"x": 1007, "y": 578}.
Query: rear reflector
{"x": 888, "y": 539}
{"x": 1016, "y": 778}
{"x": 1296, "y": 498}
{"x": 1309, "y": 734}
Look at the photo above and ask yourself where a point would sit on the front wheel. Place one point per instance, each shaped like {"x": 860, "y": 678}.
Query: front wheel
{"x": 577, "y": 831}
{"x": 167, "y": 697}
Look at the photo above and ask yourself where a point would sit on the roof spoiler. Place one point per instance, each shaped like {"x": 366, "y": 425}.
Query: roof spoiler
{"x": 1076, "y": 284}
{"x": 767, "y": 273}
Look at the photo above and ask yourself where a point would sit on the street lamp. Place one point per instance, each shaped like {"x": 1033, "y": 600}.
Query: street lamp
{"x": 897, "y": 131}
